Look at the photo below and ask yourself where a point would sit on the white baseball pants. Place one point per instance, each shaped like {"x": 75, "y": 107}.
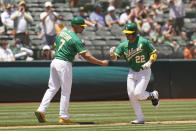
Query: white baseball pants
{"x": 60, "y": 76}
{"x": 136, "y": 87}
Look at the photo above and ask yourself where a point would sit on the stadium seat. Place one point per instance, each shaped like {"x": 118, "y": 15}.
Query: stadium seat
{"x": 98, "y": 42}
{"x": 67, "y": 16}
{"x": 179, "y": 53}
{"x": 112, "y": 42}
{"x": 164, "y": 51}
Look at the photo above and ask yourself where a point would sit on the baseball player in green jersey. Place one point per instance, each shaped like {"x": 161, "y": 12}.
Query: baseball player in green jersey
{"x": 140, "y": 54}
{"x": 68, "y": 44}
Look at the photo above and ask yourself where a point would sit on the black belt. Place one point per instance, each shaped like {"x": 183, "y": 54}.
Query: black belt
{"x": 138, "y": 70}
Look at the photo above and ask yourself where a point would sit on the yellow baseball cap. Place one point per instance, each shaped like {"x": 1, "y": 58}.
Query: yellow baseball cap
{"x": 22, "y": 3}
{"x": 8, "y": 6}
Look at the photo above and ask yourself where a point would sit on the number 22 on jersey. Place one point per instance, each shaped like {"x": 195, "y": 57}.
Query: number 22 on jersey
{"x": 140, "y": 59}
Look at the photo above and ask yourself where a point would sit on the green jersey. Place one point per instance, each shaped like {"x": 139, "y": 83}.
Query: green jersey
{"x": 68, "y": 44}
{"x": 137, "y": 53}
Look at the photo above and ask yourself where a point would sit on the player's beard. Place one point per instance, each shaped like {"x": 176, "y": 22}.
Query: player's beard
{"x": 131, "y": 37}
{"x": 81, "y": 29}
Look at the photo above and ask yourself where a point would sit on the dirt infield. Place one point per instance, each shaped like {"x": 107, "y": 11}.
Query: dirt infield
{"x": 88, "y": 125}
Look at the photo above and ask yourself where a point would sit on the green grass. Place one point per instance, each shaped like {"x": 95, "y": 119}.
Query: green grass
{"x": 102, "y": 113}
{"x": 167, "y": 127}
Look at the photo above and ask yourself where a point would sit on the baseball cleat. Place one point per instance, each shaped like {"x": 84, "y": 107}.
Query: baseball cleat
{"x": 137, "y": 122}
{"x": 155, "y": 99}
{"x": 40, "y": 116}
{"x": 61, "y": 120}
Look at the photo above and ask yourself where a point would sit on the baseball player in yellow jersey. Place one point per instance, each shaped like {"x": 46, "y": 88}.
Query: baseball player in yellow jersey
{"x": 140, "y": 54}
{"x": 68, "y": 44}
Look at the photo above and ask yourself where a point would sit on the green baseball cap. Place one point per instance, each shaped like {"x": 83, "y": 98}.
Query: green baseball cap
{"x": 130, "y": 28}
{"x": 79, "y": 21}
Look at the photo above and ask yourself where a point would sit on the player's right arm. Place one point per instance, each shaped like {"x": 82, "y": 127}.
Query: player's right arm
{"x": 92, "y": 59}
{"x": 79, "y": 47}
{"x": 112, "y": 55}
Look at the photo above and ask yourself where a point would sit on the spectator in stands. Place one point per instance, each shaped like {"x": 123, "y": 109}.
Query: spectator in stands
{"x": 4, "y": 3}
{"x": 167, "y": 24}
{"x": 132, "y": 3}
{"x": 177, "y": 13}
{"x": 2, "y": 29}
{"x": 192, "y": 4}
{"x": 139, "y": 10}
{"x": 47, "y": 54}
{"x": 111, "y": 18}
{"x": 182, "y": 40}
{"x": 168, "y": 41}
{"x": 157, "y": 36}
{"x": 146, "y": 26}
{"x": 193, "y": 37}
{"x": 40, "y": 33}
{"x": 22, "y": 53}
{"x": 22, "y": 18}
{"x": 6, "y": 20}
{"x": 153, "y": 23}
{"x": 168, "y": 28}
{"x": 48, "y": 19}
{"x": 60, "y": 24}
{"x": 158, "y": 8}
{"x": 115, "y": 3}
{"x": 189, "y": 51}
{"x": 5, "y": 53}
{"x": 194, "y": 42}
{"x": 82, "y": 14}
{"x": 98, "y": 17}
{"x": 125, "y": 17}
{"x": 74, "y": 3}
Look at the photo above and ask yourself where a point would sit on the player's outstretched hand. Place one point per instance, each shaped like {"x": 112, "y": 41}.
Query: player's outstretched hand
{"x": 105, "y": 62}
{"x": 112, "y": 50}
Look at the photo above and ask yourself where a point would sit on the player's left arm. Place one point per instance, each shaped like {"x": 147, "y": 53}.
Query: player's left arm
{"x": 152, "y": 51}
{"x": 153, "y": 55}
{"x": 79, "y": 46}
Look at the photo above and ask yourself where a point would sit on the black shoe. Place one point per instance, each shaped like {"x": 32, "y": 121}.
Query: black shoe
{"x": 154, "y": 97}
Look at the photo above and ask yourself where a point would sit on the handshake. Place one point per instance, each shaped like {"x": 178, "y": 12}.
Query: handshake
{"x": 112, "y": 56}
{"x": 112, "y": 50}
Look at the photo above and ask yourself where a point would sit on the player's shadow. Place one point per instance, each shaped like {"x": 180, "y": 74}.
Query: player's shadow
{"x": 85, "y": 123}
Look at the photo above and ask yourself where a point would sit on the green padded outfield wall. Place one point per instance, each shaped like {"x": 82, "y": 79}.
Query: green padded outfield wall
{"x": 27, "y": 81}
